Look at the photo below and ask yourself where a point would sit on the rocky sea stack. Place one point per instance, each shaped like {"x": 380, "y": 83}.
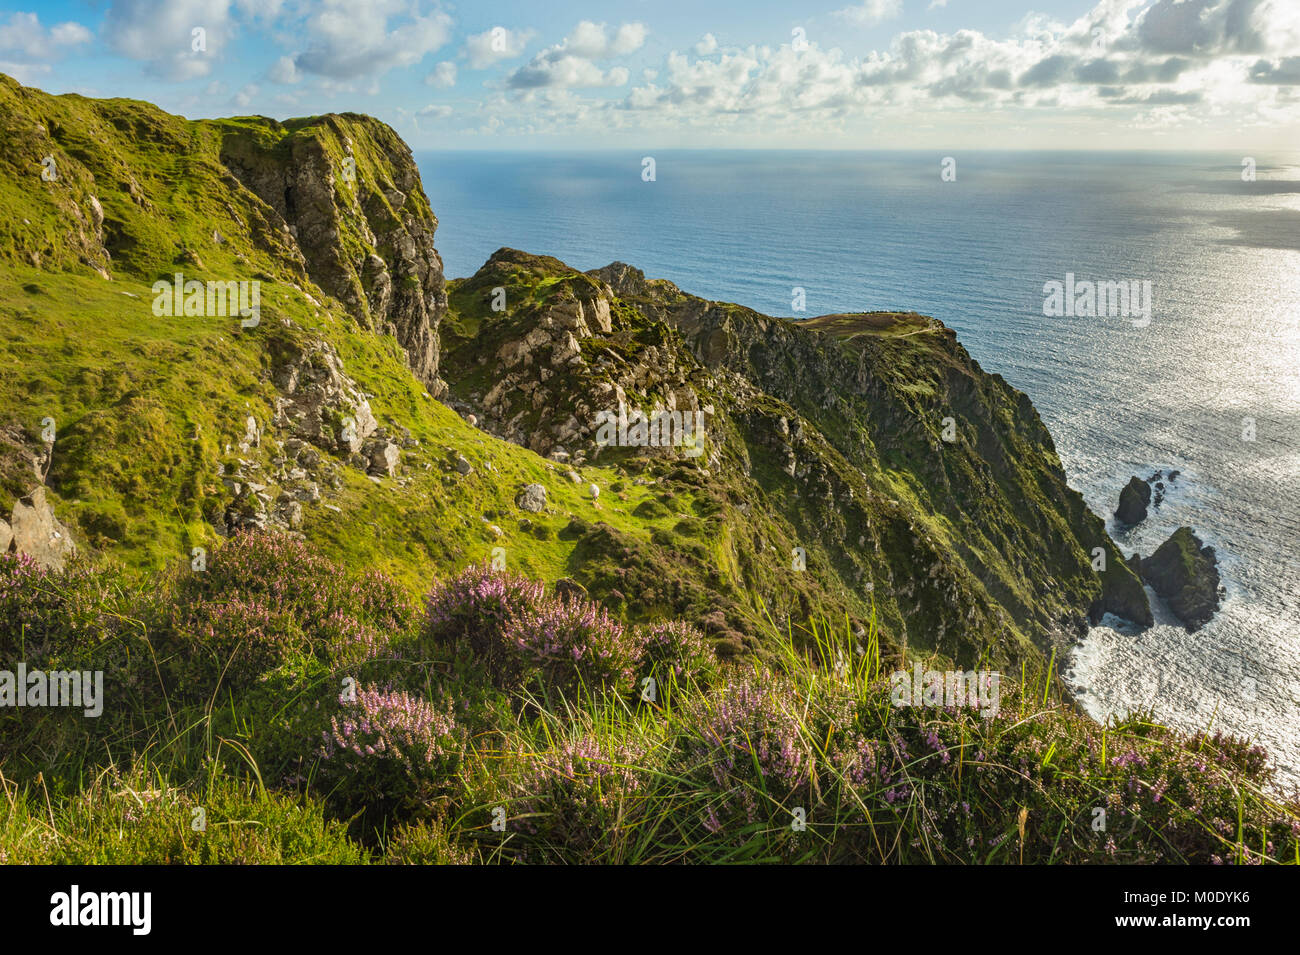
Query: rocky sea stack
{"x": 1185, "y": 574}
{"x": 1133, "y": 502}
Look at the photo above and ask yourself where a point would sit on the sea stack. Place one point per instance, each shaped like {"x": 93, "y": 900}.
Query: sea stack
{"x": 1185, "y": 574}
{"x": 1133, "y": 502}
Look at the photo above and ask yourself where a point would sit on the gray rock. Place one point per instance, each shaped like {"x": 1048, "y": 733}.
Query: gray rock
{"x": 318, "y": 402}
{"x": 6, "y": 536}
{"x": 532, "y": 498}
{"x": 397, "y": 280}
{"x": 1185, "y": 573}
{"x": 462, "y": 465}
{"x": 384, "y": 458}
{"x": 291, "y": 512}
{"x": 309, "y": 491}
{"x": 568, "y": 588}
{"x": 38, "y": 533}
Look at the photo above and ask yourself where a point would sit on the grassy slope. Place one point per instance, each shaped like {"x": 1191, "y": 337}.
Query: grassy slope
{"x": 89, "y": 353}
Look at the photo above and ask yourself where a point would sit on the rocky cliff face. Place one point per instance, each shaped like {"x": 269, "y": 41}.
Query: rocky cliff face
{"x": 348, "y": 191}
{"x": 874, "y": 442}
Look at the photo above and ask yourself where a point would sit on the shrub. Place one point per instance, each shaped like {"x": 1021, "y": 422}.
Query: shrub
{"x": 267, "y": 599}
{"x": 515, "y": 634}
{"x": 46, "y": 614}
{"x": 391, "y": 749}
{"x": 30, "y": 604}
{"x": 672, "y": 646}
{"x": 472, "y": 609}
{"x": 572, "y": 644}
{"x": 578, "y": 796}
{"x": 425, "y": 842}
{"x": 745, "y": 744}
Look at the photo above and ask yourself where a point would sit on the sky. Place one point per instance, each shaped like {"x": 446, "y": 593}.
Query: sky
{"x": 576, "y": 75}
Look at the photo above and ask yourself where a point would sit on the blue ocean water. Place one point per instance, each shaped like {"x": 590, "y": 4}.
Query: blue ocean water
{"x": 1210, "y": 386}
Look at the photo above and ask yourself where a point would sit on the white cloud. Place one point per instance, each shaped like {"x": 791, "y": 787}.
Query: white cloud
{"x": 351, "y": 39}
{"x": 434, "y": 112}
{"x": 492, "y": 46}
{"x": 708, "y": 44}
{"x": 629, "y": 38}
{"x": 567, "y": 72}
{"x": 872, "y": 11}
{"x": 161, "y": 34}
{"x": 245, "y": 95}
{"x": 23, "y": 35}
{"x": 570, "y": 64}
{"x": 1188, "y": 70}
{"x": 284, "y": 71}
{"x": 70, "y": 34}
{"x": 443, "y": 75}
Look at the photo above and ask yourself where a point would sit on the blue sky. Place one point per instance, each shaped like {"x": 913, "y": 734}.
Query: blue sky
{"x": 1114, "y": 74}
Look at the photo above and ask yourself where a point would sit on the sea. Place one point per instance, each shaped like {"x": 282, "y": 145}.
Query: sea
{"x": 1205, "y": 382}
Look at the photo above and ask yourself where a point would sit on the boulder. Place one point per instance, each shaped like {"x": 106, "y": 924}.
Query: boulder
{"x": 6, "y": 536}
{"x": 384, "y": 456}
{"x": 1133, "y": 501}
{"x": 1186, "y": 575}
{"x": 38, "y": 533}
{"x": 532, "y": 498}
{"x": 291, "y": 513}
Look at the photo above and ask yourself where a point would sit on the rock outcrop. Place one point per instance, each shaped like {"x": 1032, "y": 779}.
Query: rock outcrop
{"x": 347, "y": 189}
{"x": 35, "y": 531}
{"x": 1134, "y": 500}
{"x": 827, "y": 433}
{"x": 553, "y": 367}
{"x": 1186, "y": 575}
{"x": 317, "y": 402}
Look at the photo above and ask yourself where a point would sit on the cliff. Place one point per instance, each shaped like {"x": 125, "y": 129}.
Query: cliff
{"x": 859, "y": 466}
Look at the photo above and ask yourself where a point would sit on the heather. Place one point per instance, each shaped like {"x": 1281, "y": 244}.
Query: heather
{"x": 309, "y": 714}
{"x": 385, "y": 748}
